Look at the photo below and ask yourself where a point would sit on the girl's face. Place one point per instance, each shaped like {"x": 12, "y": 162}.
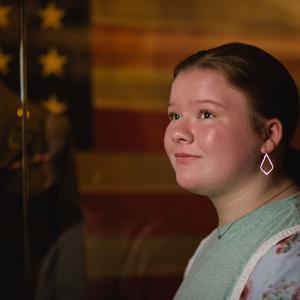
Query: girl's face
{"x": 209, "y": 140}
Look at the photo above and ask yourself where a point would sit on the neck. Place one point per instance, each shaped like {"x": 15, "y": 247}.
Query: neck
{"x": 235, "y": 204}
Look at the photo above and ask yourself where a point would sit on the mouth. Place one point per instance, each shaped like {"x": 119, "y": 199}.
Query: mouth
{"x": 185, "y": 157}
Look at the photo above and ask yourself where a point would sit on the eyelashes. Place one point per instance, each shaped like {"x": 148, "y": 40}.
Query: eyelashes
{"x": 206, "y": 114}
{"x": 203, "y": 114}
{"x": 173, "y": 116}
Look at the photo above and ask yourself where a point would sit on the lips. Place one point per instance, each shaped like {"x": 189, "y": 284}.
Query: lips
{"x": 185, "y": 157}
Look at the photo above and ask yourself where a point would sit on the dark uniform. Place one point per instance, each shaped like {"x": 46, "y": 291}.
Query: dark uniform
{"x": 53, "y": 194}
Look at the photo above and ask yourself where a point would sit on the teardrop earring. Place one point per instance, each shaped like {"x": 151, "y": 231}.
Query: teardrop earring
{"x": 266, "y": 158}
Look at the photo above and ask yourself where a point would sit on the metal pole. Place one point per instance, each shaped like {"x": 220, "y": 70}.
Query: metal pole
{"x": 23, "y": 98}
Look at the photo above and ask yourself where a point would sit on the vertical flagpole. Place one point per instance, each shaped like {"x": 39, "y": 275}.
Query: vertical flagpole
{"x": 23, "y": 96}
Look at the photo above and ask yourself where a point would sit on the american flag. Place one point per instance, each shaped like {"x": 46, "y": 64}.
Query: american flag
{"x": 144, "y": 227}
{"x": 111, "y": 62}
{"x": 58, "y": 58}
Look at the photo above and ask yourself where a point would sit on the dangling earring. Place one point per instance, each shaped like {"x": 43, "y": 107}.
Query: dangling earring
{"x": 266, "y": 157}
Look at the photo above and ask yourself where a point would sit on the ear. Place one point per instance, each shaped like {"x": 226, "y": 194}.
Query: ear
{"x": 273, "y": 135}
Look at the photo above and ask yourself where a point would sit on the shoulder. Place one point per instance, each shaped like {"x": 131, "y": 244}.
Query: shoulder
{"x": 204, "y": 242}
{"x": 277, "y": 274}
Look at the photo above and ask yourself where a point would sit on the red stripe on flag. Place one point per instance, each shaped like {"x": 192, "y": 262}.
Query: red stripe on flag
{"x": 129, "y": 131}
{"x": 126, "y": 215}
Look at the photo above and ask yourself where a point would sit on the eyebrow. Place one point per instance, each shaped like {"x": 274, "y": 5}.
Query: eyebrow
{"x": 211, "y": 102}
{"x": 204, "y": 101}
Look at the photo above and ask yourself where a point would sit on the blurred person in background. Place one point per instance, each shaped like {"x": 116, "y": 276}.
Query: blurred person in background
{"x": 53, "y": 190}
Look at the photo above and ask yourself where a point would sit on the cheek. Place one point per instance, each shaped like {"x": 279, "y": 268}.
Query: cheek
{"x": 228, "y": 142}
{"x": 168, "y": 142}
{"x": 239, "y": 148}
{"x": 207, "y": 137}
{"x": 167, "y": 139}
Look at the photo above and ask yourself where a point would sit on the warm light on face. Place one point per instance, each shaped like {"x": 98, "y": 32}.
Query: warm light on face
{"x": 209, "y": 140}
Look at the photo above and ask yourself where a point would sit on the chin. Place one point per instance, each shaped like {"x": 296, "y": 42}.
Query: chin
{"x": 199, "y": 185}
{"x": 189, "y": 185}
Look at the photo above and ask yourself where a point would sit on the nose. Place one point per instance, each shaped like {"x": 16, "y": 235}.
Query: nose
{"x": 182, "y": 134}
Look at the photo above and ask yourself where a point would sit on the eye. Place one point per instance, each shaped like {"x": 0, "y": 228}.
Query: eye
{"x": 173, "y": 116}
{"x": 205, "y": 114}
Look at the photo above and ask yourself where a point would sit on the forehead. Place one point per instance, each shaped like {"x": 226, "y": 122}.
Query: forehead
{"x": 197, "y": 84}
